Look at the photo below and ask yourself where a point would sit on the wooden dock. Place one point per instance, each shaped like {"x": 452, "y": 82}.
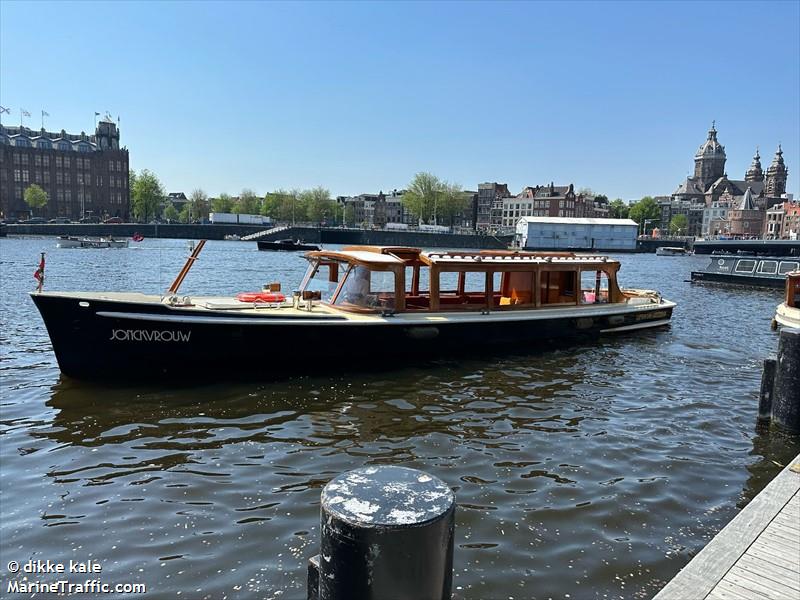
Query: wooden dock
{"x": 756, "y": 556}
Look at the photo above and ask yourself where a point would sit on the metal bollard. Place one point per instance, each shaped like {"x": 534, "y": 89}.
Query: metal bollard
{"x": 786, "y": 396}
{"x": 387, "y": 533}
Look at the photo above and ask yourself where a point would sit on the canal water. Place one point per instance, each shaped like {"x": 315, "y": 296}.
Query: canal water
{"x": 580, "y": 472}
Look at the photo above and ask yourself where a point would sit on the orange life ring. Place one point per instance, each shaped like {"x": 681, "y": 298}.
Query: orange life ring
{"x": 260, "y": 297}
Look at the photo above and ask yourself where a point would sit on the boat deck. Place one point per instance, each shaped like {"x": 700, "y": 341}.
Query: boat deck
{"x": 756, "y": 556}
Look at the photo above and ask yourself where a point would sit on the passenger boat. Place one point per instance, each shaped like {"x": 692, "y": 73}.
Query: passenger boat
{"x": 788, "y": 312}
{"x": 68, "y": 241}
{"x": 356, "y": 306}
{"x": 743, "y": 269}
{"x": 672, "y": 251}
{"x": 287, "y": 245}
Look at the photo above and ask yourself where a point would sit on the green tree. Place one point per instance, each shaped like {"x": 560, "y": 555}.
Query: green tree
{"x": 450, "y": 203}
{"x": 185, "y": 215}
{"x": 645, "y": 209}
{"x": 679, "y": 225}
{"x": 248, "y": 204}
{"x": 222, "y": 204}
{"x": 35, "y": 197}
{"x": 198, "y": 205}
{"x": 617, "y": 209}
{"x": 278, "y": 205}
{"x": 146, "y": 195}
{"x": 317, "y": 204}
{"x": 422, "y": 196}
{"x": 171, "y": 213}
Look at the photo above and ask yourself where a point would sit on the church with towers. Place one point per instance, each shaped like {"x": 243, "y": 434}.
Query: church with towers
{"x": 729, "y": 206}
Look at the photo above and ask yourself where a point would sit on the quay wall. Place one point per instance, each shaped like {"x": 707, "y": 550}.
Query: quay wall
{"x": 319, "y": 235}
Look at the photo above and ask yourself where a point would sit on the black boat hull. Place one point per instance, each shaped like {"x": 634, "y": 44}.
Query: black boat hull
{"x": 286, "y": 246}
{"x": 743, "y": 280}
{"x": 134, "y": 341}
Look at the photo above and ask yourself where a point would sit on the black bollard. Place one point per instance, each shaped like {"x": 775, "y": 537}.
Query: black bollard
{"x": 767, "y": 389}
{"x": 786, "y": 397}
{"x": 387, "y": 533}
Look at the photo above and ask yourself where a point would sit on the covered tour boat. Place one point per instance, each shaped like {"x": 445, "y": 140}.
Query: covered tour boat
{"x": 361, "y": 304}
{"x": 747, "y": 269}
{"x": 672, "y": 251}
{"x": 288, "y": 245}
{"x": 69, "y": 241}
{"x": 788, "y": 312}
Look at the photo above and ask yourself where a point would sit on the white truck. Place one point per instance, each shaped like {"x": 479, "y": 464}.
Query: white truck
{"x": 238, "y": 219}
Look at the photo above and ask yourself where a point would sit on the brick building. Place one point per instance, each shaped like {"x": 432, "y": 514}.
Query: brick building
{"x": 83, "y": 175}
{"x": 548, "y": 201}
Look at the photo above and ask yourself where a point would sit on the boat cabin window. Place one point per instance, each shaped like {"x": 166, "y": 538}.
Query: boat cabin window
{"x": 365, "y": 288}
{"x": 787, "y": 266}
{"x": 768, "y": 267}
{"x": 516, "y": 288}
{"x": 594, "y": 287}
{"x": 557, "y": 287}
{"x": 745, "y": 266}
{"x": 323, "y": 276}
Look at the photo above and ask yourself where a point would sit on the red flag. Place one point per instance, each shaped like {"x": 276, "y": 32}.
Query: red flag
{"x": 38, "y": 275}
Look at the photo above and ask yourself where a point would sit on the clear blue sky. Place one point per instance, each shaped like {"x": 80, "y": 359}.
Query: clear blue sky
{"x": 358, "y": 97}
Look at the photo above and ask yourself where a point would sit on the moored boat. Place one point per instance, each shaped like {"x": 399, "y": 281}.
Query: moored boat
{"x": 788, "y": 311}
{"x": 69, "y": 241}
{"x": 672, "y": 251}
{"x": 748, "y": 270}
{"x": 356, "y": 306}
{"x": 287, "y": 245}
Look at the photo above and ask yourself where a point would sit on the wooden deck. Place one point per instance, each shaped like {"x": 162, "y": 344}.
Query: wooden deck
{"x": 756, "y": 556}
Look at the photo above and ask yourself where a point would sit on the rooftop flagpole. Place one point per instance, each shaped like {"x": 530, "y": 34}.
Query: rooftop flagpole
{"x": 96, "y": 114}
{"x": 44, "y": 114}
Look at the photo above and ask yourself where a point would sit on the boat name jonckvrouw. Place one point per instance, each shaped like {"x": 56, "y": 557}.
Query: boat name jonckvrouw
{"x": 146, "y": 335}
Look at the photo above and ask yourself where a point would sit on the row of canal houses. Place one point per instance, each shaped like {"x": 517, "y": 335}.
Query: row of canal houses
{"x": 491, "y": 209}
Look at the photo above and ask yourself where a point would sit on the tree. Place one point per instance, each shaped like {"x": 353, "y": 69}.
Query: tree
{"x": 451, "y": 202}
{"x": 222, "y": 204}
{"x": 171, "y": 213}
{"x": 421, "y": 197}
{"x": 248, "y": 204}
{"x": 645, "y": 209}
{"x": 617, "y": 209}
{"x": 679, "y": 225}
{"x": 198, "y": 203}
{"x": 147, "y": 193}
{"x": 35, "y": 197}
{"x": 317, "y": 204}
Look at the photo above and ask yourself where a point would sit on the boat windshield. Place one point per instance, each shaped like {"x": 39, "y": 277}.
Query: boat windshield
{"x": 323, "y": 276}
{"x": 365, "y": 288}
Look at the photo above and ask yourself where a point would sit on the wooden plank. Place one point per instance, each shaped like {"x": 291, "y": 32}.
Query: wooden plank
{"x": 764, "y": 551}
{"x": 725, "y": 589}
{"x": 760, "y": 585}
{"x": 777, "y": 571}
{"x": 697, "y": 579}
{"x": 758, "y": 570}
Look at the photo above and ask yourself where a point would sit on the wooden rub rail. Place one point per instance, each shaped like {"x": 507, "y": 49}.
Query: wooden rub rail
{"x": 756, "y": 556}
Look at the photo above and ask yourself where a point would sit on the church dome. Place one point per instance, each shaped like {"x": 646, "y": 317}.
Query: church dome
{"x": 711, "y": 148}
{"x": 777, "y": 166}
{"x": 755, "y": 173}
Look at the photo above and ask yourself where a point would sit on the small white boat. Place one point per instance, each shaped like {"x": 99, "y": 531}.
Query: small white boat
{"x": 70, "y": 241}
{"x": 672, "y": 251}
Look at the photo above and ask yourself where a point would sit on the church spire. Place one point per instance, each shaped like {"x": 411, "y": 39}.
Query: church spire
{"x": 709, "y": 161}
{"x": 776, "y": 175}
{"x": 755, "y": 173}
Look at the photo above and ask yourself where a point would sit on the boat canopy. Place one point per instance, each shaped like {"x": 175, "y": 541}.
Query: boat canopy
{"x": 400, "y": 279}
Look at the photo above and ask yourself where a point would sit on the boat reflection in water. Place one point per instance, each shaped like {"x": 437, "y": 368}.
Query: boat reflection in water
{"x": 359, "y": 305}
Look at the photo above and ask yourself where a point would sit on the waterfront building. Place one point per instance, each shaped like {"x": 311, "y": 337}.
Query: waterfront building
{"x": 570, "y": 233}
{"x": 82, "y": 174}
{"x": 490, "y": 196}
{"x": 549, "y": 201}
{"x": 691, "y": 209}
{"x": 746, "y": 219}
{"x": 782, "y": 221}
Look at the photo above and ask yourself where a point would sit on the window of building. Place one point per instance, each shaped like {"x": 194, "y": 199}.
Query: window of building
{"x": 46, "y": 177}
{"x": 17, "y": 175}
{"x": 44, "y": 144}
{"x": 59, "y": 177}
{"x": 37, "y": 160}
{"x": 66, "y": 162}
{"x": 66, "y": 179}
{"x": 58, "y": 161}
{"x": 24, "y": 159}
{"x": 64, "y": 146}
{"x": 68, "y": 195}
{"x": 16, "y": 159}
{"x": 60, "y": 195}
{"x": 22, "y": 143}
{"x": 37, "y": 177}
